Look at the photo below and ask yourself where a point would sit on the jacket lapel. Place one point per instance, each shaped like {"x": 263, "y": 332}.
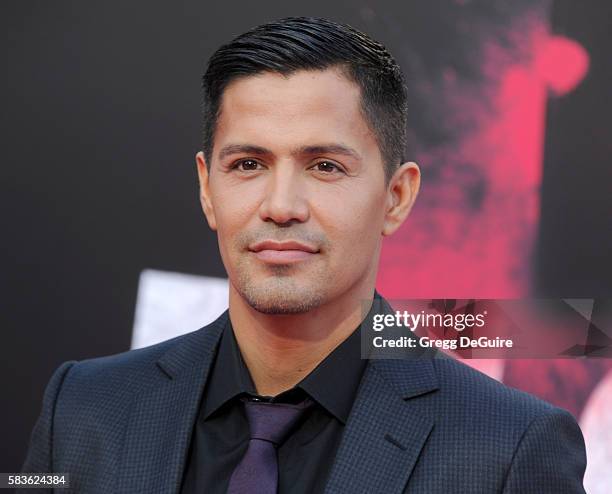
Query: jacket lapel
{"x": 164, "y": 412}
{"x": 386, "y": 429}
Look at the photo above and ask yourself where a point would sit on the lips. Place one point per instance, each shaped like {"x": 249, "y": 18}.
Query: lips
{"x": 287, "y": 245}
{"x": 274, "y": 252}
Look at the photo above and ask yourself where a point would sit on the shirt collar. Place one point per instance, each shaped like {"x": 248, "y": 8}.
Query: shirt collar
{"x": 229, "y": 376}
{"x": 333, "y": 383}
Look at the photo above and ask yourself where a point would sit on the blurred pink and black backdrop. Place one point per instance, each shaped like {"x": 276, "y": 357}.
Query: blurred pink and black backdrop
{"x": 509, "y": 119}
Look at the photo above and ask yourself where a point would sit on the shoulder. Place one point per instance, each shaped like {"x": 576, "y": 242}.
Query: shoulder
{"x": 85, "y": 400}
{"x": 503, "y": 426}
{"x": 461, "y": 384}
{"x": 478, "y": 406}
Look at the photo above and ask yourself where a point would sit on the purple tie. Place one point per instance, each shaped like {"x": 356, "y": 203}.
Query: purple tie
{"x": 270, "y": 423}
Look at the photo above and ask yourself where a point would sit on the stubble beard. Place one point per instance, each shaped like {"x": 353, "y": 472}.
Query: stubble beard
{"x": 280, "y": 293}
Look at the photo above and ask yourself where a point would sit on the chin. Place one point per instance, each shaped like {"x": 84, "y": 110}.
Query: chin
{"x": 281, "y": 300}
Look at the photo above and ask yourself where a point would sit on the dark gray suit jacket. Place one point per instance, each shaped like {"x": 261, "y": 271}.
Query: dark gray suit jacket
{"x": 122, "y": 424}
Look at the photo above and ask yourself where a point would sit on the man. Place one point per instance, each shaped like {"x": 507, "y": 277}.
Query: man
{"x": 302, "y": 174}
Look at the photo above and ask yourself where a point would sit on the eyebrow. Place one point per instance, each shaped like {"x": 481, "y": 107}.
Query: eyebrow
{"x": 301, "y": 151}
{"x": 242, "y": 149}
{"x": 328, "y": 149}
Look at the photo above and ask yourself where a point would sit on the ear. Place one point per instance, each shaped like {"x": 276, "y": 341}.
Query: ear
{"x": 401, "y": 193}
{"x": 205, "y": 197}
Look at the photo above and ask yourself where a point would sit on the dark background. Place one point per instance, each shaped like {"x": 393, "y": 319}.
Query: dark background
{"x": 100, "y": 125}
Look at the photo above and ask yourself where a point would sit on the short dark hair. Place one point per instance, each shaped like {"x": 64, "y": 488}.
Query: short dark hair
{"x": 306, "y": 43}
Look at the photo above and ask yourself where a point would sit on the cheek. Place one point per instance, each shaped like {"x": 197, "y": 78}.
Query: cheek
{"x": 353, "y": 222}
{"x": 227, "y": 231}
{"x": 233, "y": 210}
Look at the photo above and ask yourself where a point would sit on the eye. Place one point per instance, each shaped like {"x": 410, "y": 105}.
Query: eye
{"x": 245, "y": 165}
{"x": 328, "y": 167}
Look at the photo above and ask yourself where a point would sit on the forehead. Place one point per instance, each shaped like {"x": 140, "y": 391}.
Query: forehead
{"x": 302, "y": 108}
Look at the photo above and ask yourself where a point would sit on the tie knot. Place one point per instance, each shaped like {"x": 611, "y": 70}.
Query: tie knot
{"x": 273, "y": 421}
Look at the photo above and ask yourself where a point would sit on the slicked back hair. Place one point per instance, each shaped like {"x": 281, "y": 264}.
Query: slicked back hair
{"x": 306, "y": 43}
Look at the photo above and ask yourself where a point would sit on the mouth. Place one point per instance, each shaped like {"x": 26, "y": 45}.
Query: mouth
{"x": 288, "y": 252}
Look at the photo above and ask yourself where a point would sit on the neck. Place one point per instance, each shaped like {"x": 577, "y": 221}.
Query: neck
{"x": 280, "y": 350}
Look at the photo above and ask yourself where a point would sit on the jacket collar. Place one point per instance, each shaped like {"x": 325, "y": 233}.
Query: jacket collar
{"x": 197, "y": 347}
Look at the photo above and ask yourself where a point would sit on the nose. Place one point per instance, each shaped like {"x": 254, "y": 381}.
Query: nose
{"x": 284, "y": 201}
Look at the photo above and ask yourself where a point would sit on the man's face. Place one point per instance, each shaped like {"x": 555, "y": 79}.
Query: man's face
{"x": 295, "y": 190}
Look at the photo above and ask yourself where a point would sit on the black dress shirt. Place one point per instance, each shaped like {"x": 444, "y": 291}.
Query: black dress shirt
{"x": 221, "y": 434}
